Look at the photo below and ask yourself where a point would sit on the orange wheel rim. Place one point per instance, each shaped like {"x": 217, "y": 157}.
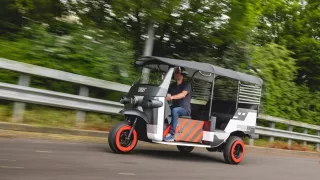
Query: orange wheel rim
{"x": 121, "y": 134}
{"x": 237, "y": 151}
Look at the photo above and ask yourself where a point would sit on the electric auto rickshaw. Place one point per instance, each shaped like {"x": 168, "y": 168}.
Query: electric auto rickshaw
{"x": 224, "y": 109}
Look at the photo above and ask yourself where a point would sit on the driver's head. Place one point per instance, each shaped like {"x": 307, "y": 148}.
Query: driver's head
{"x": 179, "y": 73}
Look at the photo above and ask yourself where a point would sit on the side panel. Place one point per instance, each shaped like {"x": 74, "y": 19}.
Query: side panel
{"x": 244, "y": 120}
{"x": 155, "y": 128}
{"x": 189, "y": 130}
{"x": 214, "y": 138}
{"x": 208, "y": 136}
{"x": 195, "y": 131}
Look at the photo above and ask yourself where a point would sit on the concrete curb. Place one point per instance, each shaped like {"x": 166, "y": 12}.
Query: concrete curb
{"x": 90, "y": 133}
{"x": 51, "y": 130}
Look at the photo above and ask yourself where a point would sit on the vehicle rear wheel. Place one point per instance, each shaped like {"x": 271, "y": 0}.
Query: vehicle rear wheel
{"x": 234, "y": 150}
{"x": 185, "y": 149}
{"x": 117, "y": 138}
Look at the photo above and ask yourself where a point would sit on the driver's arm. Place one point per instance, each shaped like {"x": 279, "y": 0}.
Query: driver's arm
{"x": 180, "y": 95}
{"x": 183, "y": 94}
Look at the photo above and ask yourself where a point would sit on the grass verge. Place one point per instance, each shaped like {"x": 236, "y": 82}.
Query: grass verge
{"x": 283, "y": 144}
{"x": 58, "y": 117}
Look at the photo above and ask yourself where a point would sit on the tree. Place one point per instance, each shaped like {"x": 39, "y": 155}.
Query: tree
{"x": 10, "y": 18}
{"x": 295, "y": 25}
{"x": 281, "y": 96}
{"x": 41, "y": 10}
{"x": 182, "y": 28}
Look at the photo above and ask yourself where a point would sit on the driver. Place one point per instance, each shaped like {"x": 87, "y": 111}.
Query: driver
{"x": 180, "y": 97}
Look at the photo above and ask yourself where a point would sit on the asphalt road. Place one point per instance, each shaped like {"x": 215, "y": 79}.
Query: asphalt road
{"x": 32, "y": 159}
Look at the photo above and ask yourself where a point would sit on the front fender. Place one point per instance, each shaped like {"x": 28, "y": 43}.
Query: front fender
{"x": 135, "y": 112}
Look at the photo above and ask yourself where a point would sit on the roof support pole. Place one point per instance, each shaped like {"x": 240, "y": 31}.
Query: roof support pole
{"x": 211, "y": 97}
{"x": 238, "y": 95}
{"x": 148, "y": 48}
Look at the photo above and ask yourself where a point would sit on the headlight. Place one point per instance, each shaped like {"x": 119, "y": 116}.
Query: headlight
{"x": 130, "y": 99}
{"x": 133, "y": 100}
{"x": 137, "y": 100}
{"x": 124, "y": 100}
{"x": 154, "y": 103}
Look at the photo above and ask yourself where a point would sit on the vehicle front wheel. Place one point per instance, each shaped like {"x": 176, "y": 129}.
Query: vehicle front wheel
{"x": 118, "y": 141}
{"x": 233, "y": 151}
{"x": 185, "y": 149}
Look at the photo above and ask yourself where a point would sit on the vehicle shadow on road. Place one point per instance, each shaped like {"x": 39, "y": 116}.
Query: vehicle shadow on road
{"x": 176, "y": 155}
{"x": 173, "y": 154}
{"x": 164, "y": 153}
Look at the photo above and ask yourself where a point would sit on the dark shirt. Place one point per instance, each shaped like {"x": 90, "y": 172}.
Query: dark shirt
{"x": 175, "y": 89}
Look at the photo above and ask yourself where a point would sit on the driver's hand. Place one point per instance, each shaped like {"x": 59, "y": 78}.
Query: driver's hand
{"x": 168, "y": 98}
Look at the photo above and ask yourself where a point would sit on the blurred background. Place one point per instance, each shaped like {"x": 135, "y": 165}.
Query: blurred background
{"x": 277, "y": 40}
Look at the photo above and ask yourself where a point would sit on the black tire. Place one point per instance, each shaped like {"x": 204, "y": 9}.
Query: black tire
{"x": 234, "y": 150}
{"x": 185, "y": 149}
{"x": 116, "y": 138}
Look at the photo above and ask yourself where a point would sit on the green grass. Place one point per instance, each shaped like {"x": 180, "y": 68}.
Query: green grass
{"x": 59, "y": 117}
{"x": 5, "y": 113}
{"x": 280, "y": 143}
{"x": 101, "y": 122}
{"x": 48, "y": 116}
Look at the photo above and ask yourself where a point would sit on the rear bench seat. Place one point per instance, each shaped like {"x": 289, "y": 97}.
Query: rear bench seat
{"x": 221, "y": 109}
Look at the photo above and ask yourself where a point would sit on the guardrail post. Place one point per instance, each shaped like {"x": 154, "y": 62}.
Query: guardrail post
{"x": 290, "y": 128}
{"x": 305, "y": 131}
{"x": 81, "y": 115}
{"x": 18, "y": 107}
{"x": 272, "y": 125}
{"x": 318, "y": 144}
{"x": 251, "y": 142}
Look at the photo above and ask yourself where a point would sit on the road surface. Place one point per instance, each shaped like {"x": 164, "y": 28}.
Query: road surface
{"x": 35, "y": 159}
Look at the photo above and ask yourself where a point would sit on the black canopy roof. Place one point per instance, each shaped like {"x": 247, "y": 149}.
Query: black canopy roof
{"x": 205, "y": 67}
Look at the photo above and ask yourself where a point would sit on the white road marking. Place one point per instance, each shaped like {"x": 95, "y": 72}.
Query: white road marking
{"x": 127, "y": 174}
{"x": 109, "y": 164}
{"x": 44, "y": 151}
{"x": 11, "y": 167}
{"x": 10, "y": 160}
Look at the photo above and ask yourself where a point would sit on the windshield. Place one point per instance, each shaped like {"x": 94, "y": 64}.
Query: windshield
{"x": 150, "y": 77}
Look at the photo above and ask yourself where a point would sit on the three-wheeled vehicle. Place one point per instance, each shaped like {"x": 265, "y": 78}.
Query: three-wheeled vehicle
{"x": 224, "y": 109}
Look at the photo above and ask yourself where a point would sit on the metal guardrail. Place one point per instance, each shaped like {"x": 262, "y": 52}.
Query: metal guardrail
{"x": 25, "y": 95}
{"x": 286, "y": 134}
{"x": 272, "y": 132}
{"x": 45, "y": 97}
{"x": 61, "y": 75}
{"x": 22, "y": 94}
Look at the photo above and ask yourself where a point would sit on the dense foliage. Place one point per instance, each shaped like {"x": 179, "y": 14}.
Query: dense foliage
{"x": 277, "y": 40}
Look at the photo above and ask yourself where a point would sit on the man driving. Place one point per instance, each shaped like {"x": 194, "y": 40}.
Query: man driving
{"x": 180, "y": 96}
